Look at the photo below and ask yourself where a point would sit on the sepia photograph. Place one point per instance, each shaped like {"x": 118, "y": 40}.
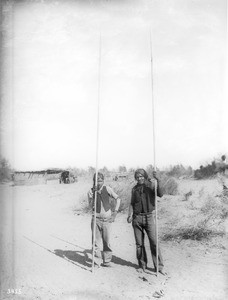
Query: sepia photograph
{"x": 113, "y": 150}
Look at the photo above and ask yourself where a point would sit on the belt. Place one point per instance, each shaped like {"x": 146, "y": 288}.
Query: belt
{"x": 144, "y": 214}
{"x": 102, "y": 219}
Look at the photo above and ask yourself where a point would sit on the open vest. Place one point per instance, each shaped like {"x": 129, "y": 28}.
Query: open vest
{"x": 103, "y": 197}
{"x": 143, "y": 198}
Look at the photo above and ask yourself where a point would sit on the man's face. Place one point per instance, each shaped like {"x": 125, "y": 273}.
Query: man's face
{"x": 100, "y": 182}
{"x": 140, "y": 179}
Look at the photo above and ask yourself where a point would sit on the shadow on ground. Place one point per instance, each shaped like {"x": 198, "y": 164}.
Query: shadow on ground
{"x": 84, "y": 258}
{"x": 79, "y": 257}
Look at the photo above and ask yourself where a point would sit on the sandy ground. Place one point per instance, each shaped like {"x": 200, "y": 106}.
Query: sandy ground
{"x": 44, "y": 238}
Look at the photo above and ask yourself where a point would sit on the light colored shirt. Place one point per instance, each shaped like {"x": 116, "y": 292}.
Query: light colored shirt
{"x": 105, "y": 214}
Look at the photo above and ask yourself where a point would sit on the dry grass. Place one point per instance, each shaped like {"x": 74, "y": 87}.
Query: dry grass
{"x": 198, "y": 231}
{"x": 201, "y": 219}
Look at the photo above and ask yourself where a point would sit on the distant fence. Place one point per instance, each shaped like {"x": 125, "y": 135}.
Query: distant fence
{"x": 121, "y": 176}
{"x": 35, "y": 177}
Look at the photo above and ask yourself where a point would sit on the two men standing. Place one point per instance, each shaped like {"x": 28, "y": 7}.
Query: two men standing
{"x": 141, "y": 215}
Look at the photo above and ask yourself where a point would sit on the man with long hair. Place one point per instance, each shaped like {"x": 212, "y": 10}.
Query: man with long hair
{"x": 141, "y": 214}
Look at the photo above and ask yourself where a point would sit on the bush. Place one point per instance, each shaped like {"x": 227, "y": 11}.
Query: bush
{"x": 169, "y": 185}
{"x": 215, "y": 208}
{"x": 204, "y": 224}
{"x": 197, "y": 232}
{"x": 123, "y": 190}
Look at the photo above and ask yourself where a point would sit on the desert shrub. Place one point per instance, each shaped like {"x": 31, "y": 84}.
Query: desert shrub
{"x": 215, "y": 208}
{"x": 198, "y": 231}
{"x": 168, "y": 182}
{"x": 123, "y": 190}
{"x": 169, "y": 185}
{"x": 207, "y": 222}
{"x": 224, "y": 196}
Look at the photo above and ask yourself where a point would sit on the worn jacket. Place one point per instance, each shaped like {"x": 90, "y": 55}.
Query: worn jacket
{"x": 143, "y": 198}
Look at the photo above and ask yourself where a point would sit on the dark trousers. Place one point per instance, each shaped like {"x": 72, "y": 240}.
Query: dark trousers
{"x": 102, "y": 233}
{"x": 142, "y": 224}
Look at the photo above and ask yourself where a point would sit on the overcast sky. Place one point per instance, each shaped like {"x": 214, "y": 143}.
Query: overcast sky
{"x": 50, "y": 63}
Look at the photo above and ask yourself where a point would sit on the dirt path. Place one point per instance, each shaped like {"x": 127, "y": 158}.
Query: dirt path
{"x": 45, "y": 258}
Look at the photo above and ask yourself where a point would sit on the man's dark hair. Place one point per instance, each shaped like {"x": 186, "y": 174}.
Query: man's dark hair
{"x": 142, "y": 172}
{"x": 99, "y": 175}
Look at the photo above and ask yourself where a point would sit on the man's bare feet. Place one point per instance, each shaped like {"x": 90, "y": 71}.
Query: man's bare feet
{"x": 163, "y": 272}
{"x": 107, "y": 265}
{"x": 141, "y": 269}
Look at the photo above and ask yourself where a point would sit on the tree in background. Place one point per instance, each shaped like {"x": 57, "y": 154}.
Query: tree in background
{"x": 149, "y": 170}
{"x": 122, "y": 169}
{"x": 179, "y": 171}
{"x": 105, "y": 171}
{"x": 5, "y": 170}
{"x": 91, "y": 170}
{"x": 131, "y": 170}
{"x": 211, "y": 169}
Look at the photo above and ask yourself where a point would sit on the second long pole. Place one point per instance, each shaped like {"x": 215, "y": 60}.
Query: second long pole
{"x": 154, "y": 150}
{"x": 97, "y": 156}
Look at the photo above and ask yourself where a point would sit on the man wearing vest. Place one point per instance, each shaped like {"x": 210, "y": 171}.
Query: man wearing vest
{"x": 141, "y": 214}
{"x": 104, "y": 218}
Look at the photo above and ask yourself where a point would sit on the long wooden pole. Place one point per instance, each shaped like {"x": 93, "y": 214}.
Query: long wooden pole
{"x": 97, "y": 155}
{"x": 154, "y": 148}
